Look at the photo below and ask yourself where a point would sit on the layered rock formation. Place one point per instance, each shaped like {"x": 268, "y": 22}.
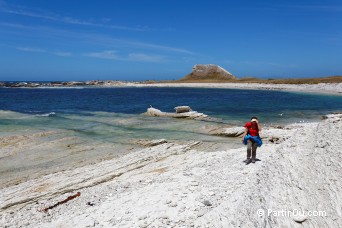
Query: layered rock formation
{"x": 208, "y": 72}
{"x": 186, "y": 115}
{"x": 173, "y": 185}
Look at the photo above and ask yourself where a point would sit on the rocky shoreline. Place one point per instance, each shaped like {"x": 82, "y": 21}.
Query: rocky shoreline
{"x": 320, "y": 88}
{"x": 175, "y": 185}
{"x": 93, "y": 83}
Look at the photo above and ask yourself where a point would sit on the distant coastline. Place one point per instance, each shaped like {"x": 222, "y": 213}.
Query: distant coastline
{"x": 327, "y": 85}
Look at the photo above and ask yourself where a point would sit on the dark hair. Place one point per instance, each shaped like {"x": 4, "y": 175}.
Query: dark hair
{"x": 254, "y": 117}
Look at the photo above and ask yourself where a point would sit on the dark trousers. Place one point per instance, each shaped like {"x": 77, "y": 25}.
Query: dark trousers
{"x": 251, "y": 149}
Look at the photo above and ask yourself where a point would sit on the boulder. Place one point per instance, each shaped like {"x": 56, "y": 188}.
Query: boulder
{"x": 73, "y": 83}
{"x": 208, "y": 72}
{"x": 181, "y": 109}
{"x": 32, "y": 85}
{"x": 154, "y": 112}
{"x": 228, "y": 132}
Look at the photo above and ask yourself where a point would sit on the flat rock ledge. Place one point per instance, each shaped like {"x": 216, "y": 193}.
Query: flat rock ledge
{"x": 228, "y": 132}
{"x": 53, "y": 185}
{"x": 184, "y": 115}
{"x": 150, "y": 143}
{"x": 172, "y": 185}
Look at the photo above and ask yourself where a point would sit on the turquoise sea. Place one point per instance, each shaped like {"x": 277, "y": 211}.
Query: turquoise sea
{"x": 86, "y": 125}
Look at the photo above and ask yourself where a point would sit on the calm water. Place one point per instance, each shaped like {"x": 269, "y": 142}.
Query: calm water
{"x": 87, "y": 125}
{"x": 230, "y": 105}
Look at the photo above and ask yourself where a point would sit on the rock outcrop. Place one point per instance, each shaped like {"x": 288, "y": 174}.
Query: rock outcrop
{"x": 228, "y": 132}
{"x": 208, "y": 72}
{"x": 293, "y": 184}
{"x": 150, "y": 143}
{"x": 186, "y": 115}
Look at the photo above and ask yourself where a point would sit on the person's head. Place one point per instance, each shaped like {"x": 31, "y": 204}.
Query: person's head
{"x": 254, "y": 120}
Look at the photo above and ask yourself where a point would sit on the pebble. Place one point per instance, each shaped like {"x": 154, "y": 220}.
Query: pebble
{"x": 164, "y": 216}
{"x": 173, "y": 204}
{"x": 142, "y": 217}
{"x": 207, "y": 203}
{"x": 194, "y": 183}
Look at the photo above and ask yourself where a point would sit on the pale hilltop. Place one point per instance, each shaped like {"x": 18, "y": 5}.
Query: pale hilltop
{"x": 208, "y": 72}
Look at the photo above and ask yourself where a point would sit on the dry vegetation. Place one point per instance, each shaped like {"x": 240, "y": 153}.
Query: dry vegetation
{"x": 216, "y": 76}
{"x": 331, "y": 79}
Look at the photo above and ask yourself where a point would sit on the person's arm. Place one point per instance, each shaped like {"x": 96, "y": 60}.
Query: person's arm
{"x": 244, "y": 134}
{"x": 259, "y": 127}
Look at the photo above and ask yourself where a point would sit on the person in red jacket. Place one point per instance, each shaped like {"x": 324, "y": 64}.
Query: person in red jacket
{"x": 252, "y": 139}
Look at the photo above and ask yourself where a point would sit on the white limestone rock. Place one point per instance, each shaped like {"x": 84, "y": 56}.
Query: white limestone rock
{"x": 228, "y": 132}
{"x": 181, "y": 109}
{"x": 186, "y": 115}
{"x": 207, "y": 72}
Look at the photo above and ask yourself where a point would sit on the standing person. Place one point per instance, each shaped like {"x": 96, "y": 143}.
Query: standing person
{"x": 252, "y": 139}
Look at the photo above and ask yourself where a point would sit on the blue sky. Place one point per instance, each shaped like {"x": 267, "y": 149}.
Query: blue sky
{"x": 158, "y": 40}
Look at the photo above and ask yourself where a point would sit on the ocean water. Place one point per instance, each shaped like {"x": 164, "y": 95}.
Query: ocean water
{"x": 86, "y": 125}
{"x": 227, "y": 104}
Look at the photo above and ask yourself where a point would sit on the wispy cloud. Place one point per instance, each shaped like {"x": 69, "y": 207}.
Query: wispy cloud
{"x": 103, "y": 55}
{"x": 134, "y": 57}
{"x": 141, "y": 57}
{"x": 30, "y": 49}
{"x": 62, "y": 54}
{"x": 43, "y": 14}
{"x": 106, "y": 40}
{"x": 94, "y": 39}
{"x": 40, "y": 50}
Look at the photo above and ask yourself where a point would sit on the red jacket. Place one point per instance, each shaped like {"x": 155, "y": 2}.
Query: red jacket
{"x": 251, "y": 131}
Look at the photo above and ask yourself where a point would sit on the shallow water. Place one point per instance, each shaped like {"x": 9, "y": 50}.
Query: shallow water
{"x": 34, "y": 144}
{"x": 48, "y": 130}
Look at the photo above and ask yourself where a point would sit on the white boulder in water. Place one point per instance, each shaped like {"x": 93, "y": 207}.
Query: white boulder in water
{"x": 188, "y": 115}
{"x": 181, "y": 109}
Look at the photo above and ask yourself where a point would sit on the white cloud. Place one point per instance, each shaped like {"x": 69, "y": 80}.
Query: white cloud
{"x": 40, "y": 50}
{"x": 95, "y": 39}
{"x": 104, "y": 55}
{"x": 106, "y": 40}
{"x": 43, "y": 14}
{"x": 145, "y": 58}
{"x": 61, "y": 53}
{"x": 30, "y": 49}
{"x": 134, "y": 57}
